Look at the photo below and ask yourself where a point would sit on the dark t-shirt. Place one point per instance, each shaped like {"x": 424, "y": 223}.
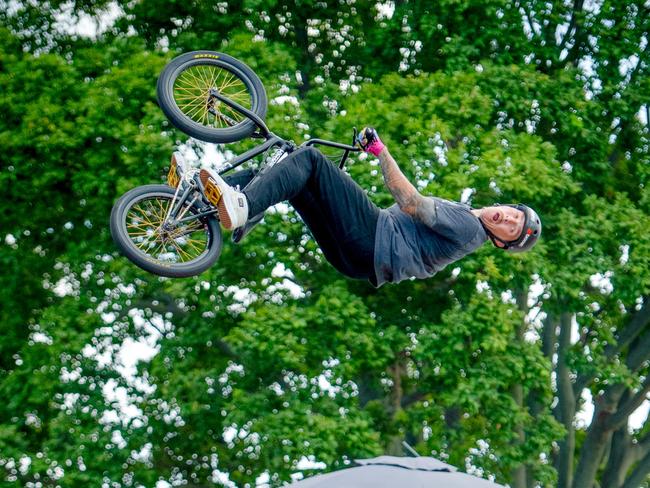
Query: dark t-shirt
{"x": 406, "y": 248}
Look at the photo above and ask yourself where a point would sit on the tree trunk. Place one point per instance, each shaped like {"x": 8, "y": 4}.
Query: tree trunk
{"x": 599, "y": 435}
{"x": 566, "y": 408}
{"x": 306, "y": 58}
{"x": 620, "y": 460}
{"x": 613, "y": 408}
{"x": 639, "y": 474}
{"x": 394, "y": 447}
{"x": 518, "y": 474}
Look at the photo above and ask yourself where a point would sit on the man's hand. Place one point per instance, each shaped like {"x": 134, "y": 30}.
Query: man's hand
{"x": 369, "y": 141}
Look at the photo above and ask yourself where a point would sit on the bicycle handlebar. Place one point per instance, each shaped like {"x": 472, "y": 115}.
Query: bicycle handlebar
{"x": 337, "y": 145}
{"x": 272, "y": 139}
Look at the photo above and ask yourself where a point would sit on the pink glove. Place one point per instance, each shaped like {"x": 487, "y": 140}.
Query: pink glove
{"x": 370, "y": 142}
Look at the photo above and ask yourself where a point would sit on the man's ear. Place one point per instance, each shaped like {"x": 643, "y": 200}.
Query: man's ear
{"x": 498, "y": 243}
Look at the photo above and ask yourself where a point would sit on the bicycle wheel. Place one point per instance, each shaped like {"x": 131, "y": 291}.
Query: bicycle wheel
{"x": 184, "y": 96}
{"x": 144, "y": 234}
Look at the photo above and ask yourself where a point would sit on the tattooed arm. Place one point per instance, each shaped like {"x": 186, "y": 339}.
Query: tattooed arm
{"x": 410, "y": 201}
{"x": 405, "y": 194}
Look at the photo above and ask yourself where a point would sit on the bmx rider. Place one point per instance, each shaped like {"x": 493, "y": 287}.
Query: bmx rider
{"x": 416, "y": 237}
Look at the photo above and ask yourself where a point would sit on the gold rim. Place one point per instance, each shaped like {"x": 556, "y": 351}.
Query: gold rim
{"x": 178, "y": 244}
{"x": 192, "y": 94}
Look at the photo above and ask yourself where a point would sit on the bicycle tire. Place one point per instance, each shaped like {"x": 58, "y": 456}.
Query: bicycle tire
{"x": 129, "y": 248}
{"x": 209, "y": 66}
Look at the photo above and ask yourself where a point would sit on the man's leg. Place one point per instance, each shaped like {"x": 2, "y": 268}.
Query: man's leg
{"x": 240, "y": 178}
{"x": 337, "y": 211}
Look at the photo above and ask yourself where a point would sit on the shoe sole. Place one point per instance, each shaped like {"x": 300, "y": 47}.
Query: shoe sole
{"x": 213, "y": 194}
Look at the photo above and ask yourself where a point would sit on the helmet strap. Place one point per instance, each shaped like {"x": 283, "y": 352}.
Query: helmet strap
{"x": 494, "y": 238}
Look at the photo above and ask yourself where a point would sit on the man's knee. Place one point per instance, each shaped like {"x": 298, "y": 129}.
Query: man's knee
{"x": 316, "y": 158}
{"x": 312, "y": 152}
{"x": 309, "y": 153}
{"x": 310, "y": 158}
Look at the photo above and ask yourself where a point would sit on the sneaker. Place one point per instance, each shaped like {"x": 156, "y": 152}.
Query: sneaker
{"x": 231, "y": 204}
{"x": 240, "y": 232}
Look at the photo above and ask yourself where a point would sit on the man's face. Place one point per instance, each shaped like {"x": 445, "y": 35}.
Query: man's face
{"x": 504, "y": 222}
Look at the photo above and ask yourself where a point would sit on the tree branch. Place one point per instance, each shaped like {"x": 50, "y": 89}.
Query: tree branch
{"x": 639, "y": 473}
{"x": 621, "y": 415}
{"x": 579, "y": 38}
{"x": 642, "y": 57}
{"x": 529, "y": 19}
{"x": 643, "y": 446}
{"x": 639, "y": 352}
{"x": 413, "y": 397}
{"x": 634, "y": 327}
{"x": 577, "y": 6}
{"x": 549, "y": 336}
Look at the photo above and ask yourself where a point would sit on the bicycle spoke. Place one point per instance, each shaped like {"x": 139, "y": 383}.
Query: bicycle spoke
{"x": 197, "y": 248}
{"x": 189, "y": 90}
{"x": 228, "y": 82}
{"x": 205, "y": 77}
{"x": 139, "y": 227}
{"x": 144, "y": 226}
{"x": 159, "y": 253}
{"x": 196, "y": 110}
{"x": 236, "y": 95}
{"x": 187, "y": 78}
{"x": 196, "y": 80}
{"x": 192, "y": 92}
{"x": 150, "y": 216}
{"x": 161, "y": 213}
{"x": 181, "y": 251}
{"x": 180, "y": 233}
{"x": 144, "y": 218}
{"x": 213, "y": 77}
{"x": 139, "y": 233}
{"x": 145, "y": 242}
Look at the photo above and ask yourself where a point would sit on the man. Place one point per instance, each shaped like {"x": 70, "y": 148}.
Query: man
{"x": 416, "y": 237}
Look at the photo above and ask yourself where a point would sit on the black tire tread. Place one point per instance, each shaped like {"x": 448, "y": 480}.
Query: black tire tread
{"x": 166, "y": 101}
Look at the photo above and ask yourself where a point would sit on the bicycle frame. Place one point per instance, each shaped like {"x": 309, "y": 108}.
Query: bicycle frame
{"x": 272, "y": 140}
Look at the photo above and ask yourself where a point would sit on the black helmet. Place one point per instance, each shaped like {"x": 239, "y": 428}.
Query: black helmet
{"x": 530, "y": 232}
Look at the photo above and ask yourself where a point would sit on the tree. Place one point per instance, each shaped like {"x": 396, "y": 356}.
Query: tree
{"x": 271, "y": 347}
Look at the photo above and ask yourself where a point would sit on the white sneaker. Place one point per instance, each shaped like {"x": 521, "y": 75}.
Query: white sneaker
{"x": 231, "y": 204}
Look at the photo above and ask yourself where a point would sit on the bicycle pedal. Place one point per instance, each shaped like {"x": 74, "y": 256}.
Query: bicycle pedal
{"x": 173, "y": 179}
{"x": 210, "y": 188}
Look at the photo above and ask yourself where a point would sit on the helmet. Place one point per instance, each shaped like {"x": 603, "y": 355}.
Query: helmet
{"x": 530, "y": 232}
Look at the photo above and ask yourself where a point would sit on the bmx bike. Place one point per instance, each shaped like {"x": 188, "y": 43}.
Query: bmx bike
{"x": 173, "y": 230}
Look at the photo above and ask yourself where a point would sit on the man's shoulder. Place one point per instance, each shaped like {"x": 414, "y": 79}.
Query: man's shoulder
{"x": 450, "y": 203}
{"x": 451, "y": 207}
